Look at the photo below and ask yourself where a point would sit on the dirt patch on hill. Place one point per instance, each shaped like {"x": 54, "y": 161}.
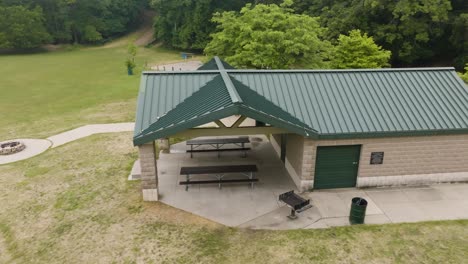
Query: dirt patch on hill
{"x": 146, "y": 37}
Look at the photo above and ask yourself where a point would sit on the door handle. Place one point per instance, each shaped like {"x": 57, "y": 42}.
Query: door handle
{"x": 355, "y": 163}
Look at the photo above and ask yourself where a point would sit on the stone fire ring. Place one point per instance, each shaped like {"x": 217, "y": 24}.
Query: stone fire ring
{"x": 32, "y": 148}
{"x": 11, "y": 147}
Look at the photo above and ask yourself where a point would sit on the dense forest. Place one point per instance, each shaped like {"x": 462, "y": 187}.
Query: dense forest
{"x": 30, "y": 23}
{"x": 417, "y": 32}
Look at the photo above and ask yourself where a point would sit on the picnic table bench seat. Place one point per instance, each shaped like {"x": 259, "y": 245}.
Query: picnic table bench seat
{"x": 216, "y": 150}
{"x": 219, "y": 172}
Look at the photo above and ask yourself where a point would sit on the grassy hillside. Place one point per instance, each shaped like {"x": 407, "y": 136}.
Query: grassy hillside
{"x": 42, "y": 94}
{"x": 73, "y": 204}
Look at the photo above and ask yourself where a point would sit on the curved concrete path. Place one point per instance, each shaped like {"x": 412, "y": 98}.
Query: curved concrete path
{"x": 89, "y": 130}
{"x": 33, "y": 147}
{"x": 37, "y": 146}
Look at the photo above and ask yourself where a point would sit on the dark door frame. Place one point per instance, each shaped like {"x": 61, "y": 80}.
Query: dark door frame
{"x": 284, "y": 138}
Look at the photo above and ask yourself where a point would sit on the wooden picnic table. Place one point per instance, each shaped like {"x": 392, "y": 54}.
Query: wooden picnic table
{"x": 219, "y": 172}
{"x": 217, "y": 144}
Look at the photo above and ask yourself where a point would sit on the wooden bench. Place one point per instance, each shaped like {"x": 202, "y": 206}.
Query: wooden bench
{"x": 217, "y": 144}
{"x": 219, "y": 172}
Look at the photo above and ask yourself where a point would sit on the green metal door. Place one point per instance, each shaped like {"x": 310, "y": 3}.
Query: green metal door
{"x": 336, "y": 167}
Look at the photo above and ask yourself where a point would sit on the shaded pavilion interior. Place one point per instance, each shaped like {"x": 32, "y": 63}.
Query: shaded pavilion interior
{"x": 233, "y": 204}
{"x": 221, "y": 106}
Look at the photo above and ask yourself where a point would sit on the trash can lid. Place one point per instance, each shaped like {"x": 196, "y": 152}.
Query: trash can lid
{"x": 359, "y": 201}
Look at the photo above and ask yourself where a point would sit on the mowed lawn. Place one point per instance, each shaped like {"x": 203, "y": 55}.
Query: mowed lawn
{"x": 43, "y": 94}
{"x": 73, "y": 204}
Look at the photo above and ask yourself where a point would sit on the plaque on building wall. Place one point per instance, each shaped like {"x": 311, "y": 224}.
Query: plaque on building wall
{"x": 376, "y": 158}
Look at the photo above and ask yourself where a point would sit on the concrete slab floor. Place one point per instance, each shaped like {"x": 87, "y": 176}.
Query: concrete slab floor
{"x": 233, "y": 204}
{"x": 259, "y": 208}
{"x": 277, "y": 220}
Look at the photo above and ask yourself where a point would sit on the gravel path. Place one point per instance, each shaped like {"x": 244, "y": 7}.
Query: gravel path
{"x": 179, "y": 66}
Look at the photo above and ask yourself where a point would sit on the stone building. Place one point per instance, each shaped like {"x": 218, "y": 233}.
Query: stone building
{"x": 331, "y": 128}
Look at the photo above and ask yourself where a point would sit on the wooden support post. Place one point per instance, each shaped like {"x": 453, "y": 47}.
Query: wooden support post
{"x": 220, "y": 124}
{"x": 238, "y": 122}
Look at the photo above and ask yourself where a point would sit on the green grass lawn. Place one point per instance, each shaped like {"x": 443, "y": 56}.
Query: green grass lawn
{"x": 73, "y": 204}
{"x": 43, "y": 94}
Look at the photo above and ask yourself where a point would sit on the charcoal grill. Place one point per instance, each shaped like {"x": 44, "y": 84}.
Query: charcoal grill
{"x": 297, "y": 203}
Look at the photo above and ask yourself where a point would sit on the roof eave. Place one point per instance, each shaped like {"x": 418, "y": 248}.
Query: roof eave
{"x": 235, "y": 109}
{"x": 174, "y": 129}
{"x": 140, "y": 105}
{"x": 414, "y": 133}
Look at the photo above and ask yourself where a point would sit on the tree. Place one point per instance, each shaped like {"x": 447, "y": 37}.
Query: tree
{"x": 358, "y": 51}
{"x": 464, "y": 76}
{"x": 459, "y": 38}
{"x": 414, "y": 30}
{"x": 268, "y": 36}
{"x": 22, "y": 28}
{"x": 85, "y": 21}
{"x": 185, "y": 24}
{"x": 130, "y": 61}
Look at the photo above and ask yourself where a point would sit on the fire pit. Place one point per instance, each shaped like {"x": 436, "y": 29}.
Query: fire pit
{"x": 11, "y": 147}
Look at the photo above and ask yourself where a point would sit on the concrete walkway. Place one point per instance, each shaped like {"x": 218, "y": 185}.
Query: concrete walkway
{"x": 89, "y": 130}
{"x": 392, "y": 205}
{"x": 37, "y": 146}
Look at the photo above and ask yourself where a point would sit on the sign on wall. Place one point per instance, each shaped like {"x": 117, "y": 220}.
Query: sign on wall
{"x": 376, "y": 158}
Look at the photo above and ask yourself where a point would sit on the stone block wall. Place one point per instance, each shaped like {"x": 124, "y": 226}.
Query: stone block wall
{"x": 416, "y": 155}
{"x": 164, "y": 145}
{"x": 407, "y": 160}
{"x": 149, "y": 171}
{"x": 294, "y": 163}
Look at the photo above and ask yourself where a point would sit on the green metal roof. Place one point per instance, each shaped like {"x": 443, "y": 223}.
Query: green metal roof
{"x": 324, "y": 104}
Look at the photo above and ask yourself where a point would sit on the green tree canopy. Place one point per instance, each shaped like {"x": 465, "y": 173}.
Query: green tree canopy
{"x": 22, "y": 28}
{"x": 84, "y": 21}
{"x": 464, "y": 76}
{"x": 186, "y": 24}
{"x": 414, "y": 30}
{"x": 459, "y": 37}
{"x": 268, "y": 36}
{"x": 358, "y": 51}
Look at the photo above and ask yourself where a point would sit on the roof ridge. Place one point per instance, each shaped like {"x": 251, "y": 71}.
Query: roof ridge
{"x": 302, "y": 70}
{"x": 235, "y": 97}
{"x": 340, "y": 70}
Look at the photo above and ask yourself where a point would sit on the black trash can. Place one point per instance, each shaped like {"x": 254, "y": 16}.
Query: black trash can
{"x": 358, "y": 211}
